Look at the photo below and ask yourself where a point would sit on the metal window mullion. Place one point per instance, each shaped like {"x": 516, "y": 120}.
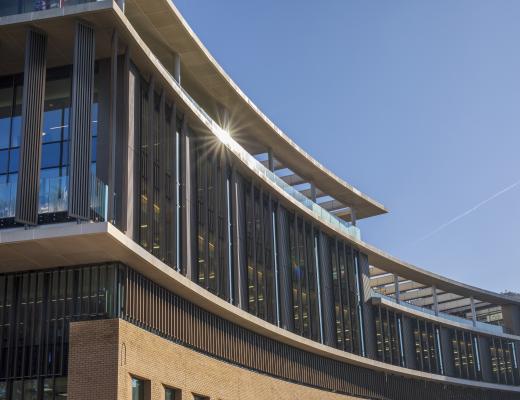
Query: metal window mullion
{"x": 340, "y": 292}
{"x": 347, "y": 287}
{"x": 205, "y": 213}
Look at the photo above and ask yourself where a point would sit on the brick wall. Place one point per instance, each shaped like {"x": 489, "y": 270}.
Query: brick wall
{"x": 105, "y": 354}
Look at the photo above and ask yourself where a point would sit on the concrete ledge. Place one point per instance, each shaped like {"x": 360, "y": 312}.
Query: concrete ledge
{"x": 76, "y": 244}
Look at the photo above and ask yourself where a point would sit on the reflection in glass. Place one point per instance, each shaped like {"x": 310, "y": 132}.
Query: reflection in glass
{"x": 48, "y": 389}
{"x": 55, "y": 148}
{"x": 137, "y": 389}
{"x": 60, "y": 388}
{"x": 30, "y": 389}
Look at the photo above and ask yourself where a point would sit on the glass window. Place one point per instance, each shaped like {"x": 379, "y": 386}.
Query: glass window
{"x": 48, "y": 389}
{"x": 55, "y": 149}
{"x": 10, "y": 110}
{"x": 4, "y": 161}
{"x": 137, "y": 389}
{"x": 3, "y": 390}
{"x": 14, "y": 156}
{"x": 60, "y": 388}
{"x": 30, "y": 389}
{"x": 17, "y": 390}
{"x": 51, "y": 155}
{"x": 172, "y": 394}
{"x": 6, "y": 103}
{"x": 16, "y": 119}
{"x": 199, "y": 397}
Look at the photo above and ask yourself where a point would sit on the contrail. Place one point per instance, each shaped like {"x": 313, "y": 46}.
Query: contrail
{"x": 465, "y": 213}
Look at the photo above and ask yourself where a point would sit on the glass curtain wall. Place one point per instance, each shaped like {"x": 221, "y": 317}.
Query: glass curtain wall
{"x": 261, "y": 295}
{"x": 389, "y": 336}
{"x": 426, "y": 346}
{"x": 158, "y": 176}
{"x": 10, "y": 131}
{"x": 54, "y": 167}
{"x": 54, "y": 172}
{"x": 304, "y": 278}
{"x": 35, "y": 311}
{"x": 213, "y": 222}
{"x": 504, "y": 365}
{"x": 342, "y": 276}
{"x": 466, "y": 358}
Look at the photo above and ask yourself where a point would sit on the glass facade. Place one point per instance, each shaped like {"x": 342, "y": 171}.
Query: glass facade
{"x": 54, "y": 164}
{"x": 159, "y": 175}
{"x": 389, "y": 336}
{"x": 504, "y": 365}
{"x": 35, "y": 311}
{"x": 345, "y": 298}
{"x": 11, "y": 7}
{"x": 259, "y": 254}
{"x": 426, "y": 346}
{"x": 306, "y": 313}
{"x": 10, "y": 131}
{"x": 56, "y": 138}
{"x": 237, "y": 245}
{"x": 213, "y": 219}
{"x": 465, "y": 357}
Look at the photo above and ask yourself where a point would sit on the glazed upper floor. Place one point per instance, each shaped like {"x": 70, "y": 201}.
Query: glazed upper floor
{"x": 176, "y": 46}
{"x": 142, "y": 190}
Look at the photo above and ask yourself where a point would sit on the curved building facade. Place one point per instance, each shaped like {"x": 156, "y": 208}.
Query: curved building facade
{"x": 161, "y": 238}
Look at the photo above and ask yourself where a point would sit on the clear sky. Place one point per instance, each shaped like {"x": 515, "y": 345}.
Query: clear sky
{"x": 416, "y": 103}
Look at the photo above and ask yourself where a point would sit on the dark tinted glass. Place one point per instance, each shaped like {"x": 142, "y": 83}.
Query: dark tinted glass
{"x": 137, "y": 389}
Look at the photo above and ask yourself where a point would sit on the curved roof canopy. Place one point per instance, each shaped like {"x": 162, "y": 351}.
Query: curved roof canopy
{"x": 167, "y": 33}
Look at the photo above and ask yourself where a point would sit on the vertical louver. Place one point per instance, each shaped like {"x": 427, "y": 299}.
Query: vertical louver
{"x": 32, "y": 120}
{"x": 81, "y": 121}
{"x": 284, "y": 270}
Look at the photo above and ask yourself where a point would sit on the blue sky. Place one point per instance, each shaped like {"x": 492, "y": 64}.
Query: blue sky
{"x": 416, "y": 103}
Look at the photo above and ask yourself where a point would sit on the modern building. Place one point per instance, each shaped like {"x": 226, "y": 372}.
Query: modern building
{"x": 161, "y": 238}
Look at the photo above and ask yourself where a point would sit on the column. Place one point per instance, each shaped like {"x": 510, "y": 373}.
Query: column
{"x": 270, "y": 160}
{"x": 27, "y": 195}
{"x": 435, "y": 300}
{"x": 313, "y": 192}
{"x": 473, "y": 311}
{"x": 397, "y": 291}
{"x": 177, "y": 67}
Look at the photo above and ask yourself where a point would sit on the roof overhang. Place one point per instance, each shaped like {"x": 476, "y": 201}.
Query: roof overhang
{"x": 166, "y": 32}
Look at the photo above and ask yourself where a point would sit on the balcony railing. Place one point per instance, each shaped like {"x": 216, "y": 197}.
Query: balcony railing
{"x": 54, "y": 198}
{"x": 12, "y": 7}
{"x": 489, "y": 328}
{"x": 318, "y": 211}
{"x": 7, "y": 200}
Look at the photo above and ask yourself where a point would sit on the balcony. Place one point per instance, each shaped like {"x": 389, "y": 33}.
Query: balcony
{"x": 12, "y": 7}
{"x": 53, "y": 201}
{"x": 225, "y": 138}
{"x": 427, "y": 313}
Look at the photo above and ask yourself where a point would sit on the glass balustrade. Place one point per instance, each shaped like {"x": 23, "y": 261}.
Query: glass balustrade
{"x": 255, "y": 165}
{"x": 7, "y": 199}
{"x": 54, "y": 197}
{"x": 490, "y": 328}
{"x": 11, "y": 7}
